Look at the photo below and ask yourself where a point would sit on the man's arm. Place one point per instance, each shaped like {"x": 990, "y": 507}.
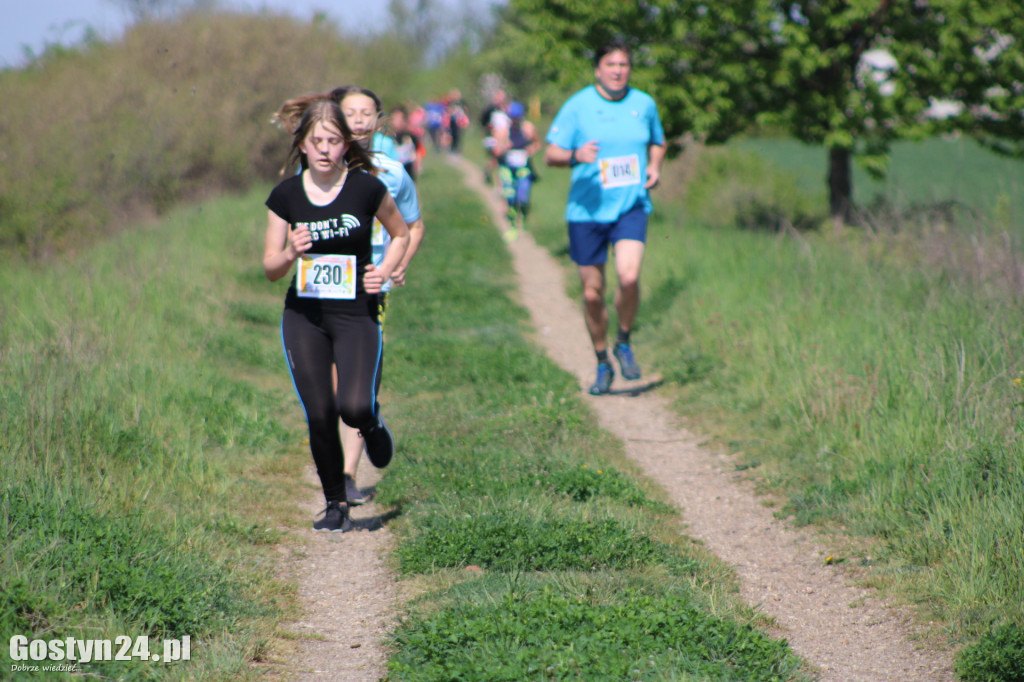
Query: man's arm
{"x": 655, "y": 155}
{"x": 557, "y": 156}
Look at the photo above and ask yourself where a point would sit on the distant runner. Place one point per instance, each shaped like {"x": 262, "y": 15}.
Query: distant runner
{"x": 514, "y": 148}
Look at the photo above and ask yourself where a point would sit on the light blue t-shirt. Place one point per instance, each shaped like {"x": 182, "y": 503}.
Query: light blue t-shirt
{"x": 612, "y": 186}
{"x": 403, "y": 189}
{"x": 382, "y": 144}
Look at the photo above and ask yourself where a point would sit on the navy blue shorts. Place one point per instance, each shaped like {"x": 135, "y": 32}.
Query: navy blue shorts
{"x": 588, "y": 241}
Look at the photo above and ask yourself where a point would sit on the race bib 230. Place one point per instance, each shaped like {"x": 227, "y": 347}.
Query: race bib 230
{"x": 326, "y": 275}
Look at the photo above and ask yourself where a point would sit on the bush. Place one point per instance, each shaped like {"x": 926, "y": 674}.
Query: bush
{"x": 996, "y": 657}
{"x": 174, "y": 110}
{"x": 732, "y": 188}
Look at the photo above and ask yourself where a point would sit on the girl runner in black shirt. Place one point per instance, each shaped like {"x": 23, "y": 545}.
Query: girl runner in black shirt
{"x": 322, "y": 220}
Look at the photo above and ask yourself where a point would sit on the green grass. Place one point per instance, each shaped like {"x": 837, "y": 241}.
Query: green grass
{"x": 514, "y": 503}
{"x": 150, "y": 445}
{"x": 929, "y": 172}
{"x": 518, "y": 626}
{"x": 873, "y": 382}
{"x": 138, "y": 441}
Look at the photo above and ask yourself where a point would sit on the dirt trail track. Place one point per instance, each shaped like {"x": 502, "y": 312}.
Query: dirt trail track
{"x": 842, "y": 629}
{"x": 350, "y": 598}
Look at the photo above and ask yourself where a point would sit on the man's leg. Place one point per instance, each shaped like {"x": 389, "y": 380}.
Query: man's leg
{"x": 629, "y": 258}
{"x": 595, "y": 312}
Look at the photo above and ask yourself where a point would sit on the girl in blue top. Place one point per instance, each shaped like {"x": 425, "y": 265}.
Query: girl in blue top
{"x": 612, "y": 138}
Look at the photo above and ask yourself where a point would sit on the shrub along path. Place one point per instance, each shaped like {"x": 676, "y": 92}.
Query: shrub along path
{"x": 842, "y": 629}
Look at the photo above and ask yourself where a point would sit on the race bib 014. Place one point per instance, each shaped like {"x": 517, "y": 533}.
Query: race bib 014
{"x": 620, "y": 171}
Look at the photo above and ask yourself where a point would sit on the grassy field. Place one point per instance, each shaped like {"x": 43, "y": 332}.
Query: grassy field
{"x": 869, "y": 379}
{"x": 142, "y": 431}
{"x": 153, "y": 451}
{"x": 921, "y": 174}
{"x": 583, "y": 571}
{"x": 872, "y": 384}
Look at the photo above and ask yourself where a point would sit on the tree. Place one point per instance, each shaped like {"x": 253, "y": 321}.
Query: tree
{"x": 705, "y": 65}
{"x": 855, "y": 76}
{"x": 852, "y": 75}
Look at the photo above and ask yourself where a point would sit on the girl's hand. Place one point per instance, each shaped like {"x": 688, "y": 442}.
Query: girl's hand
{"x": 300, "y": 240}
{"x": 373, "y": 280}
{"x": 398, "y": 277}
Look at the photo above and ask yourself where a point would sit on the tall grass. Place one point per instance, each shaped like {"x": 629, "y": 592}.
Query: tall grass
{"x": 873, "y": 384}
{"x": 138, "y": 446}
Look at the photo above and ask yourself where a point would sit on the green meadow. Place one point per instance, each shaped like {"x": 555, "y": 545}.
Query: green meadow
{"x": 931, "y": 177}
{"x": 868, "y": 379}
{"x": 155, "y": 450}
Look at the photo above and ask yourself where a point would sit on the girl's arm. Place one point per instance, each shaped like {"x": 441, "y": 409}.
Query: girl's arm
{"x": 282, "y": 246}
{"x": 393, "y": 222}
{"x": 415, "y": 239}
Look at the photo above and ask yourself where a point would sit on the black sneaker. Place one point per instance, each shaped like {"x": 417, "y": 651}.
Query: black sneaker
{"x": 353, "y": 493}
{"x": 335, "y": 518}
{"x": 380, "y": 444}
{"x": 603, "y": 384}
{"x": 624, "y": 354}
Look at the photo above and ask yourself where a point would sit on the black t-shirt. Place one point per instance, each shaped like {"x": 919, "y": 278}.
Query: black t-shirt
{"x": 343, "y": 227}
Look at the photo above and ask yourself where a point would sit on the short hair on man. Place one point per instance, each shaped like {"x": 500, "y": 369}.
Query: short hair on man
{"x": 613, "y": 46}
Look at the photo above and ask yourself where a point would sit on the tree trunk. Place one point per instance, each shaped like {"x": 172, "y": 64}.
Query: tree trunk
{"x": 840, "y": 186}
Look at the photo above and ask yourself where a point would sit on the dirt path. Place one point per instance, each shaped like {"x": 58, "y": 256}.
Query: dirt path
{"x": 840, "y": 628}
{"x": 345, "y": 590}
{"x": 349, "y": 598}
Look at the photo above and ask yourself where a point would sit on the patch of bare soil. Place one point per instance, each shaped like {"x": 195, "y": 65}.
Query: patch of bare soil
{"x": 346, "y": 592}
{"x": 845, "y": 631}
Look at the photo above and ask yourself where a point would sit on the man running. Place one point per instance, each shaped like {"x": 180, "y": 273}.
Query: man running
{"x": 612, "y": 138}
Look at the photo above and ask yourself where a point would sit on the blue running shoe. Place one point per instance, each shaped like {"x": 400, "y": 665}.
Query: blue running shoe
{"x": 603, "y": 384}
{"x": 624, "y": 354}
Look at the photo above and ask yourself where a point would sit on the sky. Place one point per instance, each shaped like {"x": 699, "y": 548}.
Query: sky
{"x": 37, "y": 23}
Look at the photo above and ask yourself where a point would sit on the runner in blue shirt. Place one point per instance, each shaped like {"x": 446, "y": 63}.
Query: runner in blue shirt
{"x": 611, "y": 137}
{"x": 362, "y": 109}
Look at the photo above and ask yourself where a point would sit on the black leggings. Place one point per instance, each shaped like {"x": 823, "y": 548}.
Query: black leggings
{"x": 312, "y": 343}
